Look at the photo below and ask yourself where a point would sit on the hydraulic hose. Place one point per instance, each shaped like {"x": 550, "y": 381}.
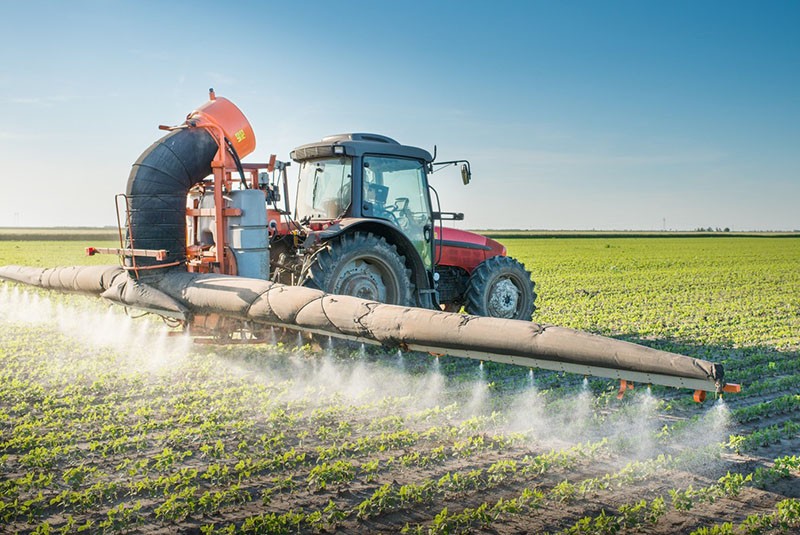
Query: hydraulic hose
{"x": 237, "y": 161}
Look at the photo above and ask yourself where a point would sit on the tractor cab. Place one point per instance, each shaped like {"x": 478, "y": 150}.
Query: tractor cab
{"x": 367, "y": 176}
{"x": 371, "y": 192}
{"x": 366, "y": 227}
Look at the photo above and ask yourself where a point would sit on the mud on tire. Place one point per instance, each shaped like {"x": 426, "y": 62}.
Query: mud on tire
{"x": 501, "y": 287}
{"x": 362, "y": 265}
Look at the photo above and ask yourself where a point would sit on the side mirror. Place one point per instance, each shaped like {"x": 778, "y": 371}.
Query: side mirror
{"x": 466, "y": 174}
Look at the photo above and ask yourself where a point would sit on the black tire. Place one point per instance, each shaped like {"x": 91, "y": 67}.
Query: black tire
{"x": 362, "y": 265}
{"x": 501, "y": 287}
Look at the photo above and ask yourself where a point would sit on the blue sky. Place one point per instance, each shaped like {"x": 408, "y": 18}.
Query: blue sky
{"x": 574, "y": 115}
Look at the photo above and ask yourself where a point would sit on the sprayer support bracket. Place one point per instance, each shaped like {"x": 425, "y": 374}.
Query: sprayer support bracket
{"x": 158, "y": 254}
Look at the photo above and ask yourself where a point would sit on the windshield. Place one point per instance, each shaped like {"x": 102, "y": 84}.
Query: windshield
{"x": 324, "y": 187}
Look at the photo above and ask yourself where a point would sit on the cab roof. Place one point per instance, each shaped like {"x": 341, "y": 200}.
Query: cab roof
{"x": 358, "y": 144}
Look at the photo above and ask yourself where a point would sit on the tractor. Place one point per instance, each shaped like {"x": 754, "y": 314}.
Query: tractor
{"x": 365, "y": 225}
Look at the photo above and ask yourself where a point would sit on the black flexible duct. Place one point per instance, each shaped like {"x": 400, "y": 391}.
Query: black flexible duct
{"x": 157, "y": 188}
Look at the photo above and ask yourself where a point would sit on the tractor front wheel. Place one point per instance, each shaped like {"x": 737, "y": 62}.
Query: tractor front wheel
{"x": 362, "y": 265}
{"x": 501, "y": 287}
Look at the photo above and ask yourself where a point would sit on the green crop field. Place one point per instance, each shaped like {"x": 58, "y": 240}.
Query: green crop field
{"x": 113, "y": 424}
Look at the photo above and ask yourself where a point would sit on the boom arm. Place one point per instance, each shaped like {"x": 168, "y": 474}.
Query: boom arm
{"x": 180, "y": 294}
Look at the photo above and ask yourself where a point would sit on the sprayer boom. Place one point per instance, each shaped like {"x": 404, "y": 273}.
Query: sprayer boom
{"x": 182, "y": 295}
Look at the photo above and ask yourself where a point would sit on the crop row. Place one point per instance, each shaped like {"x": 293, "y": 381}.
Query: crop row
{"x": 185, "y": 500}
{"x": 391, "y": 497}
{"x": 768, "y": 409}
{"x": 181, "y": 487}
{"x": 643, "y": 513}
{"x": 637, "y": 471}
{"x": 635, "y": 515}
{"x": 763, "y": 437}
{"x": 784, "y": 519}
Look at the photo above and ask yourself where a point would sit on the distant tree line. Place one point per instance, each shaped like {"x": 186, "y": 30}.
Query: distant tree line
{"x": 710, "y": 229}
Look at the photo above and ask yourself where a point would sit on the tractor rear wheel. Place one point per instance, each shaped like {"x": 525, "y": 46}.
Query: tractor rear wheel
{"x": 501, "y": 287}
{"x": 362, "y": 265}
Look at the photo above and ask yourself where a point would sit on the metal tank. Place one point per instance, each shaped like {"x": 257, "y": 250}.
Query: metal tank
{"x": 247, "y": 234}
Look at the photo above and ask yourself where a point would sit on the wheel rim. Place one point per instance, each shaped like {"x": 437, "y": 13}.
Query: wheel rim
{"x": 368, "y": 280}
{"x": 504, "y": 299}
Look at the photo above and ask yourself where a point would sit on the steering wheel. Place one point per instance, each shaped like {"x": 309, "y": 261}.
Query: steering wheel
{"x": 400, "y": 212}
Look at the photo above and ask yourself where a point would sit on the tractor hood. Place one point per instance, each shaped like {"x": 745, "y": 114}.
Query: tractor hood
{"x": 464, "y": 249}
{"x": 454, "y": 237}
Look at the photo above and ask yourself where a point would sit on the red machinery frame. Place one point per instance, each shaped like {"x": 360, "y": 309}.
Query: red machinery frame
{"x": 199, "y": 259}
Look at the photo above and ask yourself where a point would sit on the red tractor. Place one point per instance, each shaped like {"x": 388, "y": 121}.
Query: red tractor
{"x": 365, "y": 225}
